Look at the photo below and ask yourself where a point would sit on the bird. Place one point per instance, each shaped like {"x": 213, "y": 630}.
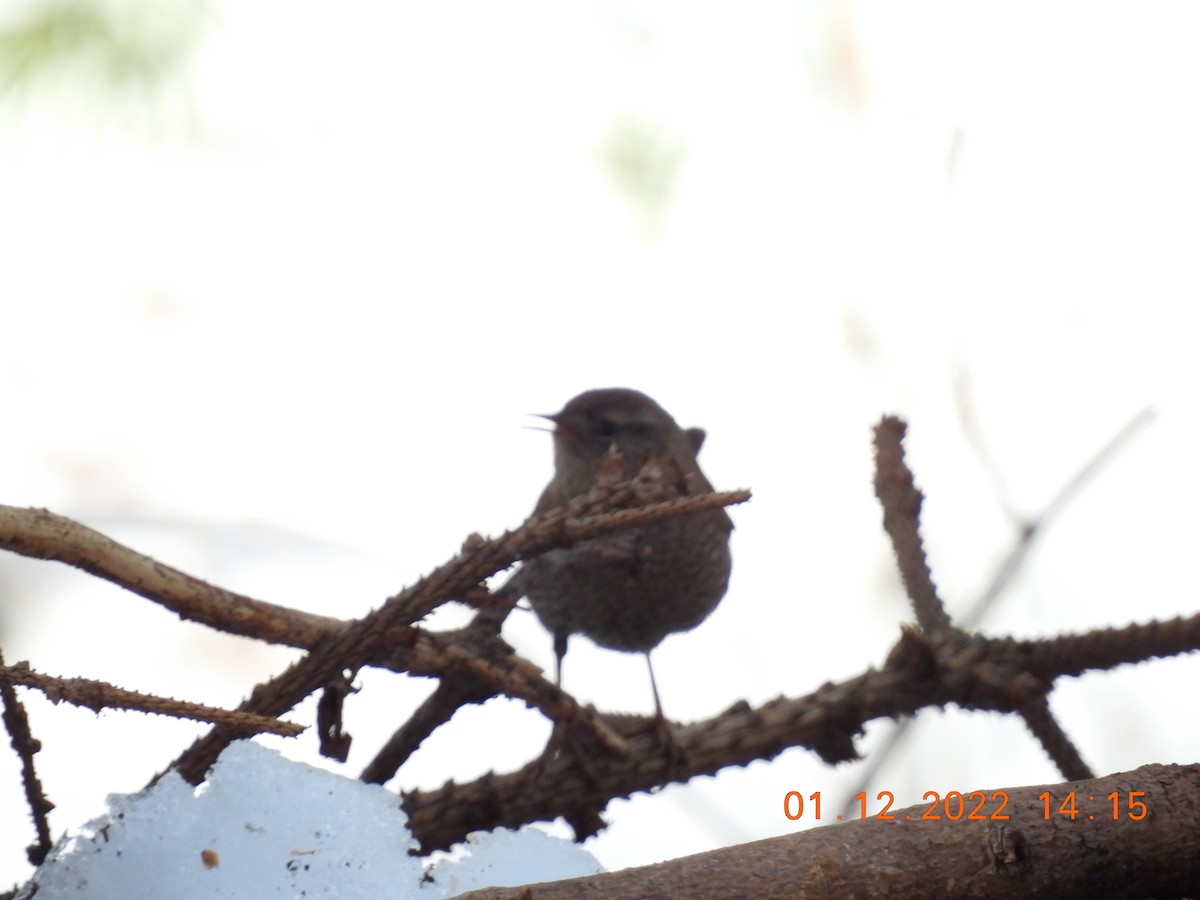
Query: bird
{"x": 629, "y": 589}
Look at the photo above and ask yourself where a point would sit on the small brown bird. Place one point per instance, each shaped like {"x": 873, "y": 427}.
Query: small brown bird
{"x": 629, "y": 589}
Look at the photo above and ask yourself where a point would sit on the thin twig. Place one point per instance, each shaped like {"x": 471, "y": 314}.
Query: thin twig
{"x": 901, "y": 502}
{"x": 98, "y": 695}
{"x": 482, "y": 637}
{"x": 1028, "y": 533}
{"x": 1060, "y": 748}
{"x": 363, "y": 640}
{"x": 1031, "y": 529}
{"x": 26, "y": 745}
{"x": 400, "y": 646}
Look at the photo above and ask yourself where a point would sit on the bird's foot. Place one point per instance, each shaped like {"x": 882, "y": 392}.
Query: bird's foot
{"x": 581, "y": 745}
{"x": 673, "y": 752}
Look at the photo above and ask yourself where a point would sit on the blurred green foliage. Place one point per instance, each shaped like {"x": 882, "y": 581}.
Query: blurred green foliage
{"x": 644, "y": 161}
{"x": 90, "y": 46}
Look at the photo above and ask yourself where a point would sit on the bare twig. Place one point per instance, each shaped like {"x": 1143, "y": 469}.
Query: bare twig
{"x": 1060, "y": 748}
{"x": 482, "y": 638}
{"x": 599, "y": 512}
{"x": 26, "y": 745}
{"x": 973, "y": 431}
{"x": 436, "y": 710}
{"x": 98, "y": 695}
{"x": 41, "y": 534}
{"x": 901, "y": 502}
{"x": 430, "y": 653}
{"x": 1028, "y": 532}
{"x": 397, "y": 644}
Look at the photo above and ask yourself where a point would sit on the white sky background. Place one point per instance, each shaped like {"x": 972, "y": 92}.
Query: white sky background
{"x": 278, "y": 321}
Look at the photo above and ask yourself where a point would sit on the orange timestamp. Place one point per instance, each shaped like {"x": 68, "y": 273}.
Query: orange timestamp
{"x": 1072, "y": 807}
{"x": 975, "y": 806}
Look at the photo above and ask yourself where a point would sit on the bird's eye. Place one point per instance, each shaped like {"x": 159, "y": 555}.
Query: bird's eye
{"x": 606, "y": 428}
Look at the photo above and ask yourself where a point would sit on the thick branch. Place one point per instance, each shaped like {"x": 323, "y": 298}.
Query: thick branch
{"x": 1036, "y": 850}
{"x": 1002, "y": 675}
{"x": 41, "y": 534}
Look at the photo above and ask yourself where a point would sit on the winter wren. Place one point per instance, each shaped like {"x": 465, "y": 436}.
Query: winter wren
{"x": 628, "y": 589}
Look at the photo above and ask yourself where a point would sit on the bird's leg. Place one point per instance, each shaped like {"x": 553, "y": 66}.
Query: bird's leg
{"x": 560, "y": 734}
{"x": 675, "y": 754}
{"x": 557, "y": 733}
{"x": 658, "y": 713}
{"x": 560, "y": 650}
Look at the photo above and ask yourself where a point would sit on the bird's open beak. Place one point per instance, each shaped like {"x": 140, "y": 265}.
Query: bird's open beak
{"x": 553, "y": 417}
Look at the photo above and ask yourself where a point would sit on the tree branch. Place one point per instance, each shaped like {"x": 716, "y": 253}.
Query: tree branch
{"x": 1028, "y": 532}
{"x": 98, "y": 695}
{"x": 1002, "y": 674}
{"x": 41, "y": 534}
{"x": 600, "y": 511}
{"x": 938, "y": 665}
{"x": 901, "y": 502}
{"x": 16, "y": 723}
{"x": 1036, "y": 850}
